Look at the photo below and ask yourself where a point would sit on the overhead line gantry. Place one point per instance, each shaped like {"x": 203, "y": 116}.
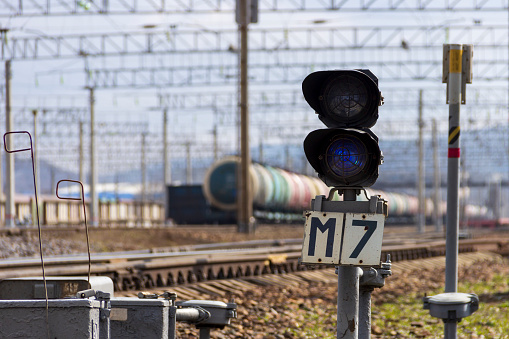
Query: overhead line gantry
{"x": 129, "y": 7}
{"x": 406, "y": 39}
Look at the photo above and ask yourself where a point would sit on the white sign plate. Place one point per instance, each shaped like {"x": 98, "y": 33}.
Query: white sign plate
{"x": 362, "y": 240}
{"x": 322, "y": 237}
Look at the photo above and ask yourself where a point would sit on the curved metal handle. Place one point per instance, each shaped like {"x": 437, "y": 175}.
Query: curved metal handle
{"x": 84, "y": 215}
{"x": 71, "y": 198}
{"x": 18, "y": 150}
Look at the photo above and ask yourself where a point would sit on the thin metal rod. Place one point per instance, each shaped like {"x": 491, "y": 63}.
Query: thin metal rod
{"x": 31, "y": 149}
{"x": 84, "y": 215}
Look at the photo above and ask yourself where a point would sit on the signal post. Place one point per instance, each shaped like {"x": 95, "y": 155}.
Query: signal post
{"x": 346, "y": 234}
{"x": 452, "y": 306}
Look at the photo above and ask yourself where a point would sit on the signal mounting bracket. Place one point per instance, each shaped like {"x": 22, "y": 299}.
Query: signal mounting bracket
{"x": 375, "y": 205}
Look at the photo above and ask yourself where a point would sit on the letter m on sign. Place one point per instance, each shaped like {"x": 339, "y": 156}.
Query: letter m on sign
{"x": 322, "y": 237}
{"x": 330, "y": 226}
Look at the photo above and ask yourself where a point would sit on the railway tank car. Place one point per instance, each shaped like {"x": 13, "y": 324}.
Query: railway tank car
{"x": 276, "y": 193}
{"x": 279, "y": 194}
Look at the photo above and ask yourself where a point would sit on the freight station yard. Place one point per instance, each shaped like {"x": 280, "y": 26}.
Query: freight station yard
{"x": 254, "y": 169}
{"x": 298, "y": 304}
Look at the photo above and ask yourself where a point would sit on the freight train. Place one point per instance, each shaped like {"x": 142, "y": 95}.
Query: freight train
{"x": 278, "y": 196}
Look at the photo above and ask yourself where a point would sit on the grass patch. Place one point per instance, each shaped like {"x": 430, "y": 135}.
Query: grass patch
{"x": 404, "y": 317}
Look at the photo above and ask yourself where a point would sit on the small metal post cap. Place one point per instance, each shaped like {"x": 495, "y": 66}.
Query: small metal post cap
{"x": 451, "y": 307}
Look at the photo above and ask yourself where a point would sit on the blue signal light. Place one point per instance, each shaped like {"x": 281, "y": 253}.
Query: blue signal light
{"x": 346, "y": 156}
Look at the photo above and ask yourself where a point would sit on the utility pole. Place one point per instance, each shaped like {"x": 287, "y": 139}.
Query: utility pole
{"x": 36, "y": 153}
{"x": 260, "y": 149}
{"x": 216, "y": 146}
{"x": 288, "y": 158}
{"x": 189, "y": 168}
{"x": 166, "y": 163}
{"x": 143, "y": 167}
{"x": 421, "y": 215}
{"x": 437, "y": 197}
{"x": 82, "y": 155}
{"x": 166, "y": 160}
{"x": 2, "y": 197}
{"x": 245, "y": 222}
{"x": 10, "y": 209}
{"x": 94, "y": 203}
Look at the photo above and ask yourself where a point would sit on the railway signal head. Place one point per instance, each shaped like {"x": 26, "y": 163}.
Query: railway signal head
{"x": 346, "y": 153}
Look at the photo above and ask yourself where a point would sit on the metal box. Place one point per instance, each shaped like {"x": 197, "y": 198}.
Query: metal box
{"x": 58, "y": 287}
{"x": 139, "y": 318}
{"x": 67, "y": 318}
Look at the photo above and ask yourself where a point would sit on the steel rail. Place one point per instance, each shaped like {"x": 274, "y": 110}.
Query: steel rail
{"x": 179, "y": 268}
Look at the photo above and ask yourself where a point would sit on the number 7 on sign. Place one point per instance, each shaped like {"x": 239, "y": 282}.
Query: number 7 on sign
{"x": 370, "y": 227}
{"x": 362, "y": 239}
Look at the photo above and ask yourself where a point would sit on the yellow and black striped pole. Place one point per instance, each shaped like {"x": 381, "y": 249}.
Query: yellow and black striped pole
{"x": 454, "y": 138}
{"x": 453, "y": 176}
{"x": 453, "y": 168}
{"x": 452, "y": 306}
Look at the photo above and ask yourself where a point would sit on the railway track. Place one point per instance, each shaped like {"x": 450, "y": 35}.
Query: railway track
{"x": 172, "y": 267}
{"x": 237, "y": 286}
